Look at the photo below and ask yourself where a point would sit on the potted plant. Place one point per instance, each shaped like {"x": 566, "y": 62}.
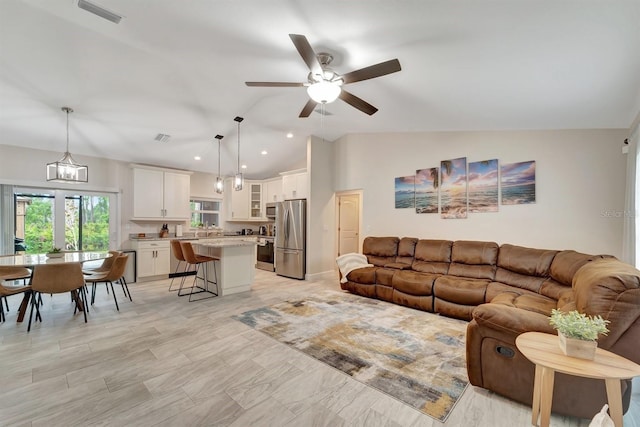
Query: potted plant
{"x": 577, "y": 332}
{"x": 55, "y": 253}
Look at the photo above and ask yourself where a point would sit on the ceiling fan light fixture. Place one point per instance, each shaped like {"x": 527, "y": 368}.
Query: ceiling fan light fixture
{"x": 67, "y": 169}
{"x": 324, "y": 92}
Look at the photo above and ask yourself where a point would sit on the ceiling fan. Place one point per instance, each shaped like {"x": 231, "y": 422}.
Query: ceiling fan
{"x": 325, "y": 85}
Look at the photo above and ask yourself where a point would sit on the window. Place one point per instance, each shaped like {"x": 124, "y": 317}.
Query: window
{"x": 53, "y": 218}
{"x": 205, "y": 213}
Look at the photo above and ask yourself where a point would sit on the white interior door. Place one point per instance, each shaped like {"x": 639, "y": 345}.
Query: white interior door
{"x": 348, "y": 224}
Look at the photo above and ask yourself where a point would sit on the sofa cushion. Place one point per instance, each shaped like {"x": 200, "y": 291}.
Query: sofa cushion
{"x": 565, "y": 265}
{"x": 473, "y": 259}
{"x": 413, "y": 283}
{"x": 535, "y": 303}
{"x": 525, "y": 268}
{"x": 384, "y": 275}
{"x": 380, "y": 250}
{"x": 527, "y": 261}
{"x": 398, "y": 266}
{"x": 460, "y": 290}
{"x": 452, "y": 309}
{"x": 432, "y": 256}
{"x": 420, "y": 302}
{"x": 496, "y": 288}
{"x": 406, "y": 251}
{"x": 365, "y": 275}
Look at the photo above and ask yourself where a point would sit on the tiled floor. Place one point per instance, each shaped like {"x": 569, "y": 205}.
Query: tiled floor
{"x": 164, "y": 361}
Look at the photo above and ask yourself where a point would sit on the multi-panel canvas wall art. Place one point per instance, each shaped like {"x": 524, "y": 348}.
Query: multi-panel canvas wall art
{"x": 426, "y": 184}
{"x": 405, "y": 191}
{"x": 483, "y": 186}
{"x": 453, "y": 188}
{"x": 518, "y": 183}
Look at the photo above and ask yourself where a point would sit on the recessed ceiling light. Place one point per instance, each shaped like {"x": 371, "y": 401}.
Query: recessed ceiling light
{"x": 263, "y": 152}
{"x": 244, "y": 166}
{"x": 196, "y": 157}
{"x": 289, "y": 135}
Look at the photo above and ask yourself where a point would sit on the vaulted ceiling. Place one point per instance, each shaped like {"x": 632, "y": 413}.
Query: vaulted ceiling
{"x": 179, "y": 67}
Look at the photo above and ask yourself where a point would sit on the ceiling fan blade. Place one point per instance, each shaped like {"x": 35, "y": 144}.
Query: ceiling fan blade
{"x": 372, "y": 71}
{"x": 274, "y": 84}
{"x": 358, "y": 103}
{"x": 306, "y": 51}
{"x": 308, "y": 108}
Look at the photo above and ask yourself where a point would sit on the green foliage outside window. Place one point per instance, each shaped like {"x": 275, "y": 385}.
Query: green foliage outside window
{"x": 38, "y": 230}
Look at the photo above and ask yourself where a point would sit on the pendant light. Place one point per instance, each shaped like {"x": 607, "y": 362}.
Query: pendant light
{"x": 219, "y": 180}
{"x": 238, "y": 180}
{"x": 66, "y": 169}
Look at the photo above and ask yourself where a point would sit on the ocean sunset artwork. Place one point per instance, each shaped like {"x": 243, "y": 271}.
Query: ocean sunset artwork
{"x": 427, "y": 184}
{"x": 405, "y": 192}
{"x": 453, "y": 188}
{"x": 483, "y": 186}
{"x": 518, "y": 183}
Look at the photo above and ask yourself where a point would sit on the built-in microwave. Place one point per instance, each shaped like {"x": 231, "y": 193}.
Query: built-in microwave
{"x": 271, "y": 210}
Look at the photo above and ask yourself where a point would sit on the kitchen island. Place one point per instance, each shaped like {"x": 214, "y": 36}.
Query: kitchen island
{"x": 236, "y": 268}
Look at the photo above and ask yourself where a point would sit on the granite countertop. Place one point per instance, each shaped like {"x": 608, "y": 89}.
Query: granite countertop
{"x": 171, "y": 237}
{"x": 221, "y": 243}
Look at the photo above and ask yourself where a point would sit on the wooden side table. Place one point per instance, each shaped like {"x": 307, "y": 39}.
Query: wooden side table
{"x": 543, "y": 350}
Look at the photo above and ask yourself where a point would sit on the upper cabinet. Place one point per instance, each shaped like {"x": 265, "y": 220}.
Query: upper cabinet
{"x": 160, "y": 195}
{"x": 246, "y": 204}
{"x": 255, "y": 201}
{"x": 272, "y": 191}
{"x": 294, "y": 185}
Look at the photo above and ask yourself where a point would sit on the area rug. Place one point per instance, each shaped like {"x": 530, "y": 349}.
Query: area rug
{"x": 413, "y": 356}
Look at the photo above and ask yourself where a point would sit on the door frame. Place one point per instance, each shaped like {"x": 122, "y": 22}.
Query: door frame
{"x": 337, "y": 196}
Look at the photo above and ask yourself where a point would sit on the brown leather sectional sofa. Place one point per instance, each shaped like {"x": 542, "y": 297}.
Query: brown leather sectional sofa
{"x": 504, "y": 291}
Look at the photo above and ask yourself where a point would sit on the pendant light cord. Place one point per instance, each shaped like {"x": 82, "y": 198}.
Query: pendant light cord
{"x": 238, "y": 148}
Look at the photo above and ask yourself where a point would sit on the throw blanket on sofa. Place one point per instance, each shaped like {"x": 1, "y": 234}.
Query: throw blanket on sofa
{"x": 349, "y": 262}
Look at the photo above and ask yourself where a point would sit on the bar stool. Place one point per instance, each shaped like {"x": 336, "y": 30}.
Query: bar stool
{"x": 191, "y": 258}
{"x": 176, "y": 249}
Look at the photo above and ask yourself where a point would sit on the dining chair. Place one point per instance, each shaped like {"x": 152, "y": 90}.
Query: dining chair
{"x": 196, "y": 260}
{"x": 115, "y": 274}
{"x": 12, "y": 273}
{"x": 176, "y": 250}
{"x": 105, "y": 266}
{"x": 57, "y": 279}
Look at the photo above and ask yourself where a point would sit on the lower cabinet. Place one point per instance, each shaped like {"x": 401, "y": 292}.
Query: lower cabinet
{"x": 153, "y": 258}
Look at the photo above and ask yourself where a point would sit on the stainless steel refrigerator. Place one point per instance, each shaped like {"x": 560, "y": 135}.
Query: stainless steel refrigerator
{"x": 291, "y": 234}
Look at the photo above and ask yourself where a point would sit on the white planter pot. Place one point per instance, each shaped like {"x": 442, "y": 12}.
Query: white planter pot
{"x": 577, "y": 348}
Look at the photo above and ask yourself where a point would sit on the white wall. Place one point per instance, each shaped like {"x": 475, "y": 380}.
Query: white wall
{"x": 320, "y": 207}
{"x": 579, "y": 184}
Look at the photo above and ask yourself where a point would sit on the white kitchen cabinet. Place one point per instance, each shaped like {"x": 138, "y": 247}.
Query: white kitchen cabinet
{"x": 272, "y": 190}
{"x": 294, "y": 186}
{"x": 239, "y": 202}
{"x": 255, "y": 201}
{"x": 246, "y": 204}
{"x": 160, "y": 195}
{"x": 152, "y": 257}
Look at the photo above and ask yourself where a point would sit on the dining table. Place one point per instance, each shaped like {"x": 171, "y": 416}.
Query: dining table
{"x": 33, "y": 260}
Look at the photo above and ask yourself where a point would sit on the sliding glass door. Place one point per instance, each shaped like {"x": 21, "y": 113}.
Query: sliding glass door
{"x": 57, "y": 218}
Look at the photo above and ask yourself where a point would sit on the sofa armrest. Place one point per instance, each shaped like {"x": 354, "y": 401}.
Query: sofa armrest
{"x": 511, "y": 320}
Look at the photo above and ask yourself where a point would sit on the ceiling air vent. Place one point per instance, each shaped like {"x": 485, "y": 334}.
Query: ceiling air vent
{"x": 162, "y": 137}
{"x": 100, "y": 11}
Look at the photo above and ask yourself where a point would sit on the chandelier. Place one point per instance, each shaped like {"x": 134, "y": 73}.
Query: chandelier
{"x": 66, "y": 169}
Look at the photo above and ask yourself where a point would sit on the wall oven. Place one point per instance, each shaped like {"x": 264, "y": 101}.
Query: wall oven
{"x": 265, "y": 257}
